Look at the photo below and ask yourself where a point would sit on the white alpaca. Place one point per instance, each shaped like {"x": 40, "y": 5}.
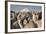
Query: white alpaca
{"x": 35, "y": 19}
{"x": 19, "y": 19}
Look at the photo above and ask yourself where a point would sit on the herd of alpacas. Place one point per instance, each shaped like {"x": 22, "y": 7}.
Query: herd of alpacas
{"x": 26, "y": 20}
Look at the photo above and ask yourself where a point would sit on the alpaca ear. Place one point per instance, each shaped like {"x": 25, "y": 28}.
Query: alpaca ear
{"x": 33, "y": 12}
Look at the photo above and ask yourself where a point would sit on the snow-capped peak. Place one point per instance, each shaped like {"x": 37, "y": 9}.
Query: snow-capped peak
{"x": 25, "y": 10}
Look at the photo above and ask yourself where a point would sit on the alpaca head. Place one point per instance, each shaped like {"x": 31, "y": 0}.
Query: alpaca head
{"x": 35, "y": 16}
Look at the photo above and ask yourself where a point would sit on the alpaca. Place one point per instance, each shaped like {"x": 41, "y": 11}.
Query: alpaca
{"x": 29, "y": 23}
{"x": 35, "y": 17}
{"x": 19, "y": 18}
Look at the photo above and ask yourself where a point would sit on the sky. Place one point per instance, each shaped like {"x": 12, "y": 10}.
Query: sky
{"x": 20, "y": 7}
